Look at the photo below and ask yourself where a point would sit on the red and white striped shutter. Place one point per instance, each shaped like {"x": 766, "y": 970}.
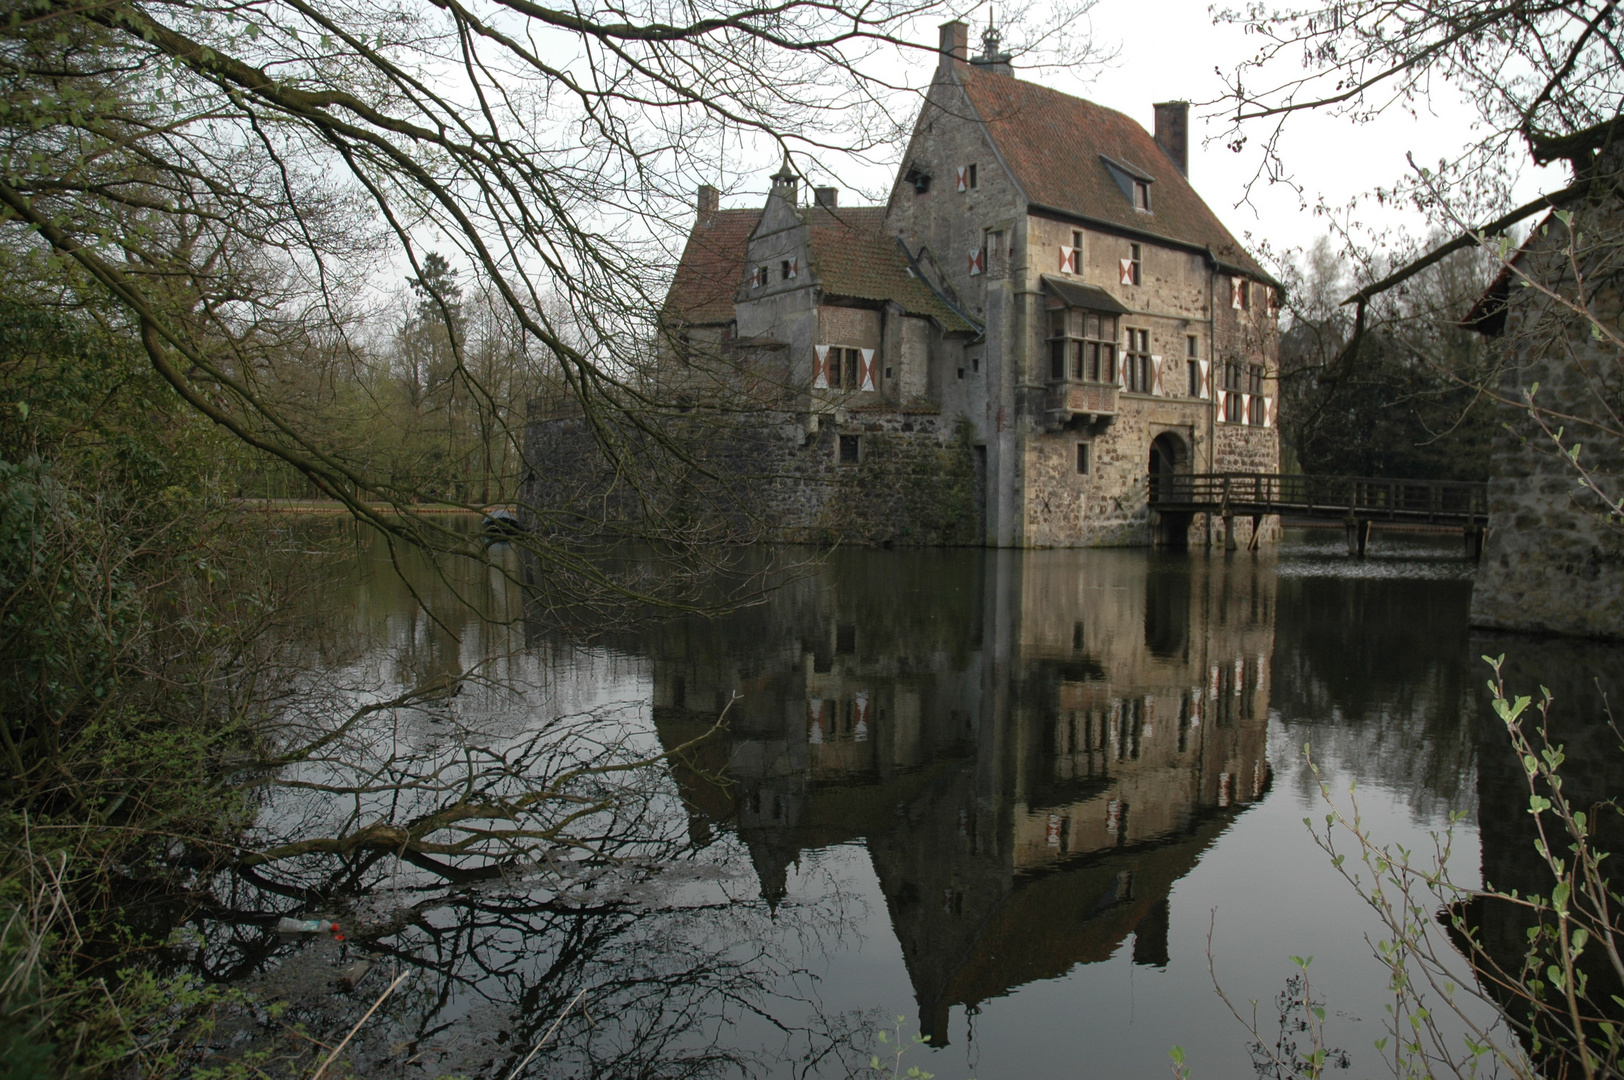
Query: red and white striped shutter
{"x": 1212, "y": 684}
{"x": 1240, "y": 675}
{"x": 1223, "y": 398}
{"x": 1195, "y": 706}
{"x": 1065, "y": 259}
{"x": 820, "y": 367}
{"x": 814, "y": 720}
{"x": 860, "y": 707}
{"x": 975, "y": 263}
{"x": 1268, "y": 412}
{"x": 795, "y": 267}
{"x": 1206, "y": 378}
{"x": 1226, "y": 785}
{"x": 1052, "y": 833}
{"x": 866, "y": 380}
{"x": 1126, "y": 266}
{"x": 1246, "y": 408}
{"x": 1156, "y": 385}
{"x": 964, "y": 177}
{"x": 1235, "y": 286}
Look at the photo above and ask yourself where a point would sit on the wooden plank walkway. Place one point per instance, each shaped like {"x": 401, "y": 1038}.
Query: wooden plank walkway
{"x": 1358, "y": 501}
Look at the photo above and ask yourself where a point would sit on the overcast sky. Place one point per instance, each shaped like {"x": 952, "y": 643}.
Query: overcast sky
{"x": 1168, "y": 50}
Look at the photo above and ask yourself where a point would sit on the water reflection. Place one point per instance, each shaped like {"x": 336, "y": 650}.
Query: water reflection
{"x": 1012, "y": 785}
{"x": 1032, "y": 749}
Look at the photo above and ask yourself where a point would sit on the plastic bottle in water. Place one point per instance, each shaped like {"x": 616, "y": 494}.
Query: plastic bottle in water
{"x": 285, "y": 925}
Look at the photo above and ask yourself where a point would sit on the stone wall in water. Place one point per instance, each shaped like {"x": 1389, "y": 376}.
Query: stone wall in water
{"x": 870, "y": 477}
{"x": 1551, "y": 562}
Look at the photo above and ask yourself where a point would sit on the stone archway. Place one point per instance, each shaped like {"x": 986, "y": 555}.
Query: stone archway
{"x": 1169, "y": 456}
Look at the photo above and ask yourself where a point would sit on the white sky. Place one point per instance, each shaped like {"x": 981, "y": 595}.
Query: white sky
{"x": 1168, "y": 50}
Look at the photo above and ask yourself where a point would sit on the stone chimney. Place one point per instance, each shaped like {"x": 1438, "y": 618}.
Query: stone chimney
{"x": 1173, "y": 132}
{"x": 826, "y": 197}
{"x": 710, "y": 200}
{"x": 955, "y": 43}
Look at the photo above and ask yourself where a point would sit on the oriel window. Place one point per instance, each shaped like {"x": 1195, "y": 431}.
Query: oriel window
{"x": 1082, "y": 345}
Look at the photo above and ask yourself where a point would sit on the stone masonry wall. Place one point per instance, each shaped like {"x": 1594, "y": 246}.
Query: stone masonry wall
{"x": 1551, "y": 563}
{"x": 770, "y": 478}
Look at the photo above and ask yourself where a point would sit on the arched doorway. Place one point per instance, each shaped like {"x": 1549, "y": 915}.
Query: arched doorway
{"x": 1169, "y": 455}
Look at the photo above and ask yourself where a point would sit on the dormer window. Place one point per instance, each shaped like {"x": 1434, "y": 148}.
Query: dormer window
{"x": 1132, "y": 180}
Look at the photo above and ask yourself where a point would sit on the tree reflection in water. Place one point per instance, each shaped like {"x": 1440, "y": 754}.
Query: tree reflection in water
{"x": 1030, "y": 751}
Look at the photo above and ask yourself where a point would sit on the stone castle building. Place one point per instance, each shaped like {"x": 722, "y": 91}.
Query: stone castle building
{"x": 1042, "y": 321}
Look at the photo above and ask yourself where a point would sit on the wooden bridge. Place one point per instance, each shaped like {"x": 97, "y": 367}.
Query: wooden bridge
{"x": 1356, "y": 501}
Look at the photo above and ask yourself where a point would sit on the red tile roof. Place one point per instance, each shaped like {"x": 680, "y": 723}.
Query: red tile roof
{"x": 1053, "y": 143}
{"x": 853, "y": 256}
{"x": 712, "y": 268}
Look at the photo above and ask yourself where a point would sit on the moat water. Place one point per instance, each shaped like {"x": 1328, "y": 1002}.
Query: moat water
{"x": 1032, "y": 804}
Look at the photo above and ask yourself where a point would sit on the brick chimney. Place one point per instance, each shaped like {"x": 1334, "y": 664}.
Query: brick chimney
{"x": 1173, "y": 132}
{"x": 827, "y": 197}
{"x": 710, "y": 200}
{"x": 955, "y": 43}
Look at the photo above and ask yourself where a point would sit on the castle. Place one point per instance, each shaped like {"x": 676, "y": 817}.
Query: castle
{"x": 1042, "y": 321}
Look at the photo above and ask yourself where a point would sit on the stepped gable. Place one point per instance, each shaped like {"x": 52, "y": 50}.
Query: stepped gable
{"x": 854, "y": 257}
{"x": 711, "y": 269}
{"x": 1053, "y": 143}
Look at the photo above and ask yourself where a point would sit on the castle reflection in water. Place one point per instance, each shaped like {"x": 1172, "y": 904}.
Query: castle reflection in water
{"x": 1033, "y": 747}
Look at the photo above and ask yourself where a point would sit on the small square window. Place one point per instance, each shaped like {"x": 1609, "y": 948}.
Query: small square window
{"x": 975, "y": 363}
{"x": 1082, "y": 458}
{"x": 888, "y": 374}
{"x": 1077, "y": 239}
{"x": 961, "y": 373}
{"x": 784, "y": 270}
{"x": 850, "y": 448}
{"x": 972, "y": 176}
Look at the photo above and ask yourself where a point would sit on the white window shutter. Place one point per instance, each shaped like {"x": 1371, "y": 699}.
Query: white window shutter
{"x": 866, "y": 380}
{"x": 1246, "y": 408}
{"x": 964, "y": 177}
{"x": 1205, "y": 389}
{"x": 1223, "y": 399}
{"x": 1065, "y": 259}
{"x": 1156, "y": 381}
{"x": 795, "y": 267}
{"x": 1126, "y": 266}
{"x": 975, "y": 263}
{"x": 820, "y": 367}
{"x": 1268, "y": 412}
{"x": 1235, "y": 286}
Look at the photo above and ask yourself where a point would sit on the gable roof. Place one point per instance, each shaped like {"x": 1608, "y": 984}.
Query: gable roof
{"x": 853, "y": 256}
{"x": 1057, "y": 145}
{"x": 711, "y": 268}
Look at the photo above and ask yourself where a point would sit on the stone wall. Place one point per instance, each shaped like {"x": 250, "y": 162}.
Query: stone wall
{"x": 1552, "y": 563}
{"x": 777, "y": 476}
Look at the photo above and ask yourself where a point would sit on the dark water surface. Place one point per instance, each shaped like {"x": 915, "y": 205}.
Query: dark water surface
{"x": 1008, "y": 797}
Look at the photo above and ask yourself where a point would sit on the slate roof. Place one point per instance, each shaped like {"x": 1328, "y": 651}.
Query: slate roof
{"x": 1078, "y": 295}
{"x": 711, "y": 268}
{"x": 1054, "y": 144}
{"x": 853, "y": 256}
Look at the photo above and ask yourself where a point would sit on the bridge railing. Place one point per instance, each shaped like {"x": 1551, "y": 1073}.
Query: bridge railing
{"x": 1363, "y": 496}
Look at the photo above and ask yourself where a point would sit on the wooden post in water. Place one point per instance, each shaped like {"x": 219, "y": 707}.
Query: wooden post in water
{"x": 1358, "y": 536}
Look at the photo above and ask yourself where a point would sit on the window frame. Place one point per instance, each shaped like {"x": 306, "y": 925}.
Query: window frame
{"x": 842, "y": 442}
{"x": 1082, "y": 355}
{"x": 1192, "y": 361}
{"x": 1135, "y": 258}
{"x": 1141, "y": 195}
{"x": 973, "y": 179}
{"x": 1085, "y": 458}
{"x": 1136, "y": 373}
